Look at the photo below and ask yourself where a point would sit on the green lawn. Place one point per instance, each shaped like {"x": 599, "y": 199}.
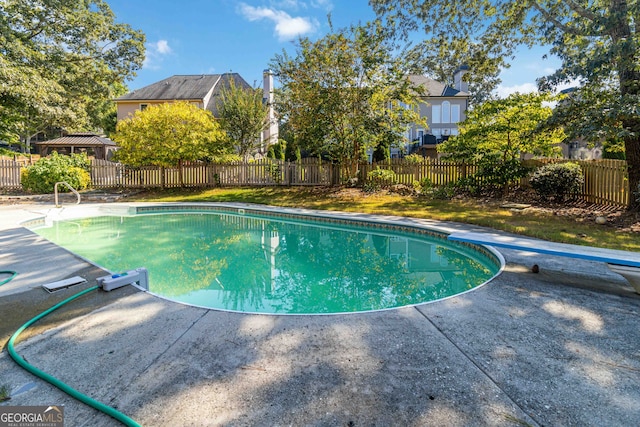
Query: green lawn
{"x": 535, "y": 224}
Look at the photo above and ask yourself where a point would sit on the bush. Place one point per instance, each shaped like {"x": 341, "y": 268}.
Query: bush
{"x": 42, "y": 176}
{"x": 558, "y": 180}
{"x": 445, "y": 192}
{"x": 380, "y": 178}
{"x": 414, "y": 159}
{"x": 497, "y": 173}
{"x": 424, "y": 186}
{"x": 221, "y": 159}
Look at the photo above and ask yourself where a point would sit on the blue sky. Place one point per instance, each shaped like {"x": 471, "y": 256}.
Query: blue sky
{"x": 218, "y": 36}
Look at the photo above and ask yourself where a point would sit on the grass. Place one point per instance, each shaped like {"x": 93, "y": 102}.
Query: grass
{"x": 5, "y": 393}
{"x": 543, "y": 225}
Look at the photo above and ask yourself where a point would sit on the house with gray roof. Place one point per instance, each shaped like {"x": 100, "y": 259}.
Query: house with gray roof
{"x": 444, "y": 107}
{"x": 203, "y": 90}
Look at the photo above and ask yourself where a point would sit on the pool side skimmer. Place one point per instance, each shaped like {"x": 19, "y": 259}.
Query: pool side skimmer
{"x": 115, "y": 281}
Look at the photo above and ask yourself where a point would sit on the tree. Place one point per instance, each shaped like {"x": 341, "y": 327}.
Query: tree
{"x": 496, "y": 133}
{"x": 341, "y": 94}
{"x": 168, "y": 134}
{"x": 243, "y": 116}
{"x": 59, "y": 60}
{"x": 597, "y": 42}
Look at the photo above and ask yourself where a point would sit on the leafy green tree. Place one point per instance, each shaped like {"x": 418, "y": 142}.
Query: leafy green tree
{"x": 381, "y": 152}
{"x": 60, "y": 59}
{"x": 277, "y": 151}
{"x": 243, "y": 116}
{"x": 498, "y": 132}
{"x": 344, "y": 92}
{"x": 597, "y": 42}
{"x": 168, "y": 134}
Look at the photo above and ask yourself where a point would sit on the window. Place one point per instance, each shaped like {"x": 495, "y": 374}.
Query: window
{"x": 455, "y": 113}
{"x": 143, "y": 107}
{"x": 446, "y": 112}
{"x": 420, "y": 134}
{"x": 436, "y": 114}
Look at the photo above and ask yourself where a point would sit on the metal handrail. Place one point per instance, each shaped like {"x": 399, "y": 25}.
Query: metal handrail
{"x": 73, "y": 190}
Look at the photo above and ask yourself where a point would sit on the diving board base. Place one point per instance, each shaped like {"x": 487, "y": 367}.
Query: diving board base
{"x": 632, "y": 274}
{"x": 624, "y": 263}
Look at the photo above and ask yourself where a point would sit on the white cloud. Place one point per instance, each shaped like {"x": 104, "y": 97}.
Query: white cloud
{"x": 162, "y": 47}
{"x": 155, "y": 54}
{"x": 504, "y": 91}
{"x": 322, "y": 4}
{"x": 286, "y": 26}
{"x": 288, "y": 4}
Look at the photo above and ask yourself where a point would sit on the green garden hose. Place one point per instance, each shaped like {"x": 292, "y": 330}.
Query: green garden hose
{"x": 56, "y": 382}
{"x": 10, "y": 278}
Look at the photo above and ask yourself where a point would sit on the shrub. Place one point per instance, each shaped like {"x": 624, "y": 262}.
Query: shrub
{"x": 380, "y": 178}
{"x": 42, "y": 176}
{"x": 497, "y": 173}
{"x": 414, "y": 159}
{"x": 221, "y": 159}
{"x": 424, "y": 186}
{"x": 445, "y": 192}
{"x": 558, "y": 180}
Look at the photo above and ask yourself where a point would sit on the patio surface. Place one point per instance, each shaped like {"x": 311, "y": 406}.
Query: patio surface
{"x": 558, "y": 348}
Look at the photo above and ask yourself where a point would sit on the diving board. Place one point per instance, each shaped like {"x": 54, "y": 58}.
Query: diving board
{"x": 625, "y": 263}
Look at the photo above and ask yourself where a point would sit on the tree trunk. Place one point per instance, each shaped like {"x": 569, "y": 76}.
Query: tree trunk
{"x": 632, "y": 151}
{"x": 180, "y": 175}
{"x": 629, "y": 79}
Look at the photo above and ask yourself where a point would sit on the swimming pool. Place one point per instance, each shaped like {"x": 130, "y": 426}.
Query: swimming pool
{"x": 257, "y": 261}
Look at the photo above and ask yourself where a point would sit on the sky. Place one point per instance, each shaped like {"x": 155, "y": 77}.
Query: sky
{"x": 219, "y": 36}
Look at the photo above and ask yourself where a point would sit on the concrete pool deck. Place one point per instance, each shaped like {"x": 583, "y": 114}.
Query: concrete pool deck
{"x": 558, "y": 348}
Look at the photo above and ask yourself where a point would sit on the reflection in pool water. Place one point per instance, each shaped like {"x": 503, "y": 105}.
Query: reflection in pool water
{"x": 272, "y": 265}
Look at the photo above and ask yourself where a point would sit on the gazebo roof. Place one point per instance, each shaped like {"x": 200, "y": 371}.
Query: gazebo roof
{"x": 79, "y": 140}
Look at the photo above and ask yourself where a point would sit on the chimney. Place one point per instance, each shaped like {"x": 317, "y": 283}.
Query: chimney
{"x": 458, "y": 82}
{"x": 270, "y": 134}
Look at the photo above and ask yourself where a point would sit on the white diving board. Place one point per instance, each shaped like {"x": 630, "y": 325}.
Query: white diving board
{"x": 625, "y": 263}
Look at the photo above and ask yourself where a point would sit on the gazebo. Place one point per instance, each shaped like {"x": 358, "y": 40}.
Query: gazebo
{"x": 89, "y": 143}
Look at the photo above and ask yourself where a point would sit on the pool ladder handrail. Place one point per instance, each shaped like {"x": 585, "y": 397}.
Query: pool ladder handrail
{"x": 55, "y": 192}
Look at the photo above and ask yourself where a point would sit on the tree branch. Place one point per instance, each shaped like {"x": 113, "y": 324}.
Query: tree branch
{"x": 551, "y": 18}
{"x": 582, "y": 11}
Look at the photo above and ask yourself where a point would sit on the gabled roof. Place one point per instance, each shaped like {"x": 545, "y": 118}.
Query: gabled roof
{"x": 435, "y": 88}
{"x": 187, "y": 88}
{"x": 79, "y": 140}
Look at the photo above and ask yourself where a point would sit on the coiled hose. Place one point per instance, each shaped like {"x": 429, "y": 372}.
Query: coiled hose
{"x": 56, "y": 382}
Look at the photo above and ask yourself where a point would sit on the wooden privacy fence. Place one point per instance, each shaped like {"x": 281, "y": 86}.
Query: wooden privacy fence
{"x": 10, "y": 174}
{"x": 437, "y": 171}
{"x": 605, "y": 180}
{"x": 106, "y": 174}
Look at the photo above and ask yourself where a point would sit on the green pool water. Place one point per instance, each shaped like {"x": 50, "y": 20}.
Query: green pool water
{"x": 272, "y": 265}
